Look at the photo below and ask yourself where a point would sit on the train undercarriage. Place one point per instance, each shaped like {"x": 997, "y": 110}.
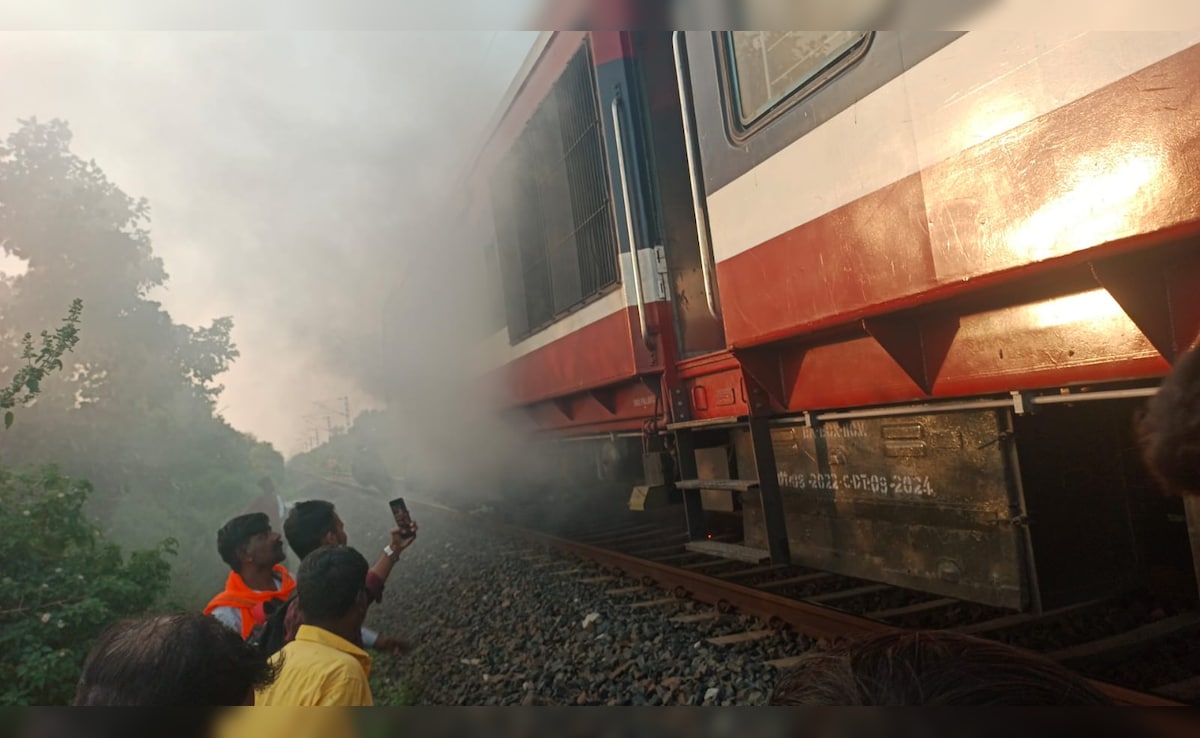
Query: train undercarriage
{"x": 1031, "y": 502}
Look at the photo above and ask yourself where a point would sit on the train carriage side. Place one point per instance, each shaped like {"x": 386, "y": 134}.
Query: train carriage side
{"x": 565, "y": 196}
{"x": 948, "y": 267}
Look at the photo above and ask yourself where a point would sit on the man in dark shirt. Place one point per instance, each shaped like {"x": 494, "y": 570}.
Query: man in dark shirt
{"x": 315, "y": 523}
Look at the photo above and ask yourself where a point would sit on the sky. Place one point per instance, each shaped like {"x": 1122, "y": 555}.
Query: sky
{"x": 284, "y": 171}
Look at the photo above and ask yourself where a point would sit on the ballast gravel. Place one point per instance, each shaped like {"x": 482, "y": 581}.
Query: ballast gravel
{"x": 499, "y": 621}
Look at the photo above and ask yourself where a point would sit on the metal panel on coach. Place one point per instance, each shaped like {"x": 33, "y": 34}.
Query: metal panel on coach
{"x": 920, "y": 502}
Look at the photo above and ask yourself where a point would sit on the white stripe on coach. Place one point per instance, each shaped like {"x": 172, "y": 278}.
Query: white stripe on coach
{"x": 496, "y": 351}
{"x": 975, "y": 88}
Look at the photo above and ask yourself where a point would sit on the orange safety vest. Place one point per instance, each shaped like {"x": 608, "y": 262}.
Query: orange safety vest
{"x": 249, "y": 601}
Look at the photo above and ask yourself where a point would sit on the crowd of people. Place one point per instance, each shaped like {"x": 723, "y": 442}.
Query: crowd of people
{"x": 267, "y": 638}
{"x": 270, "y": 638}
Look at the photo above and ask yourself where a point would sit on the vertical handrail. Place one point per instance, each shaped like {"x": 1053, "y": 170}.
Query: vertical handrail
{"x": 633, "y": 246}
{"x": 689, "y": 141}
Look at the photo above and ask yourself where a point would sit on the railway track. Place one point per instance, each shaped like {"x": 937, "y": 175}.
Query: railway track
{"x": 829, "y": 606}
{"x": 821, "y": 616}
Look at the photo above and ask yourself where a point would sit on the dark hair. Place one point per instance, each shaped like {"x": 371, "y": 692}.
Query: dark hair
{"x": 307, "y": 523}
{"x": 930, "y": 668}
{"x": 185, "y": 659}
{"x": 1169, "y": 428}
{"x": 329, "y": 582}
{"x": 237, "y": 533}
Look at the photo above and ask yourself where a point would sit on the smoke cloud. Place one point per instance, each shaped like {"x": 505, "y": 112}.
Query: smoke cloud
{"x": 299, "y": 182}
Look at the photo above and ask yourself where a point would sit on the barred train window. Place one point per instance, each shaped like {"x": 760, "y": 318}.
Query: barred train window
{"x": 766, "y": 67}
{"x": 555, "y": 235}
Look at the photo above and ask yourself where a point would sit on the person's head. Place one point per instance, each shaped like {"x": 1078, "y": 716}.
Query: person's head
{"x": 331, "y": 588}
{"x": 929, "y": 668}
{"x": 313, "y": 524}
{"x": 186, "y": 659}
{"x": 1169, "y": 428}
{"x": 248, "y": 540}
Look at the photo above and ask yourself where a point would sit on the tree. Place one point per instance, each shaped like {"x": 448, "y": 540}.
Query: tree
{"x": 26, "y": 384}
{"x": 62, "y": 584}
{"x": 135, "y": 411}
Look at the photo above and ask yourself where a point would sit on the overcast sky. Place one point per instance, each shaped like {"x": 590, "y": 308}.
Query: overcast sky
{"x": 283, "y": 170}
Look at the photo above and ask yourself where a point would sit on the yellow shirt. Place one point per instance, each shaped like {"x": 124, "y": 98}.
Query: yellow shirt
{"x": 285, "y": 722}
{"x": 319, "y": 668}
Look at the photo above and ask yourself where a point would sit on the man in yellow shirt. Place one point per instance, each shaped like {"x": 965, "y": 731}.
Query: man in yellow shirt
{"x": 322, "y": 666}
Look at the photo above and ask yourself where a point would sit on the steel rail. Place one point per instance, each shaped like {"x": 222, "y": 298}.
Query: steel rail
{"x": 805, "y": 618}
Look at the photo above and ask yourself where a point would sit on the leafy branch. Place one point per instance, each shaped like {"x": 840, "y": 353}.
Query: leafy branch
{"x": 27, "y": 382}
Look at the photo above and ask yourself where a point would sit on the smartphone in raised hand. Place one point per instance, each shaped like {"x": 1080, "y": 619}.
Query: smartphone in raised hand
{"x": 403, "y": 519}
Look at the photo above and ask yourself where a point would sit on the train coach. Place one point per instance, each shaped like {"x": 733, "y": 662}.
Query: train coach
{"x": 883, "y": 304}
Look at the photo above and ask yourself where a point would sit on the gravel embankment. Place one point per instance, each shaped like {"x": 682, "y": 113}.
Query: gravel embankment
{"x": 494, "y": 626}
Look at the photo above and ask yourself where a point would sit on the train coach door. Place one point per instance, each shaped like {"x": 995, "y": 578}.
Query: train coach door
{"x": 678, "y": 199}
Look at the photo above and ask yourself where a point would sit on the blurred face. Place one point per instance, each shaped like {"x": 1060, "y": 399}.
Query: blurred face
{"x": 339, "y": 530}
{"x": 265, "y": 548}
{"x": 337, "y": 536}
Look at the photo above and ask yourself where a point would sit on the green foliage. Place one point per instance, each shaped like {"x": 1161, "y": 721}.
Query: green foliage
{"x": 210, "y": 479}
{"x": 136, "y": 412}
{"x": 61, "y": 585}
{"x": 26, "y": 383}
{"x": 393, "y": 684}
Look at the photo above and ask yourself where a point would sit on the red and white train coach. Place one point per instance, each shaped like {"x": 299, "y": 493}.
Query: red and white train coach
{"x": 878, "y": 303}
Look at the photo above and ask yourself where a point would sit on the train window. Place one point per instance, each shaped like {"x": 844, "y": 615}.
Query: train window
{"x": 555, "y": 235}
{"x": 767, "y": 69}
